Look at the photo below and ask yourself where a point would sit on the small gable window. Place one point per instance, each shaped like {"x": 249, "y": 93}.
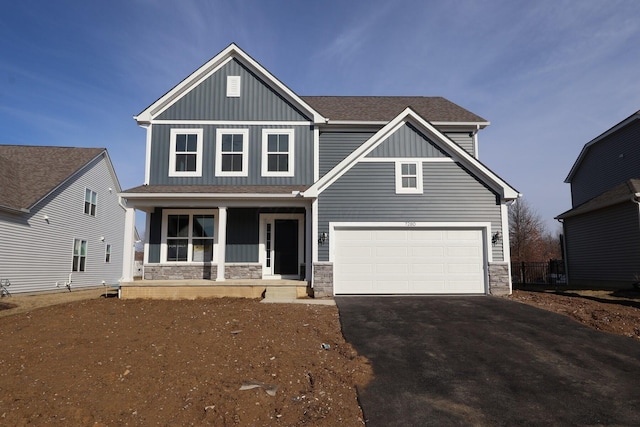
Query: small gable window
{"x": 277, "y": 152}
{"x": 232, "y": 150}
{"x": 408, "y": 177}
{"x": 90, "y": 202}
{"x": 185, "y": 158}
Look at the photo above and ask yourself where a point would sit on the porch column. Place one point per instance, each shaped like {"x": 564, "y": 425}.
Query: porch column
{"x": 222, "y": 242}
{"x": 308, "y": 226}
{"x": 128, "y": 250}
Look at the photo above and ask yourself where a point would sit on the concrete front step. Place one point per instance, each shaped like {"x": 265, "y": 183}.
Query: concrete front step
{"x": 281, "y": 292}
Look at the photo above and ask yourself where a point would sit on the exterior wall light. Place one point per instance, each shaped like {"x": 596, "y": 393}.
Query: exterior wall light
{"x": 323, "y": 238}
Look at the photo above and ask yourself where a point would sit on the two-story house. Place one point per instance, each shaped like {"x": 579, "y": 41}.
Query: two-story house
{"x": 247, "y": 181}
{"x": 602, "y": 229}
{"x": 61, "y": 220}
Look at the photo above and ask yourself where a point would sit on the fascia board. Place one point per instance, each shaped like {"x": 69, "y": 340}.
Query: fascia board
{"x": 184, "y": 196}
{"x": 583, "y": 152}
{"x": 190, "y": 82}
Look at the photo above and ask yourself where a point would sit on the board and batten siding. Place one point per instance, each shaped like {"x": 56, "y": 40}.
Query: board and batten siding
{"x": 336, "y": 146}
{"x": 209, "y": 101}
{"x": 607, "y": 163}
{"x": 35, "y": 253}
{"x": 161, "y": 145}
{"x": 602, "y": 245}
{"x": 407, "y": 142}
{"x": 366, "y": 193}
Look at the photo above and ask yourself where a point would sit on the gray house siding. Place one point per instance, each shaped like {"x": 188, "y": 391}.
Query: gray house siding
{"x": 607, "y": 163}
{"x": 209, "y": 101}
{"x": 602, "y": 246}
{"x": 366, "y": 193}
{"x": 463, "y": 140}
{"x": 160, "y": 151}
{"x": 407, "y": 142}
{"x": 242, "y": 235}
{"x": 36, "y": 252}
{"x": 336, "y": 146}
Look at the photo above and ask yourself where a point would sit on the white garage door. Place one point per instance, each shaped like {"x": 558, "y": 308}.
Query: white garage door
{"x": 408, "y": 261}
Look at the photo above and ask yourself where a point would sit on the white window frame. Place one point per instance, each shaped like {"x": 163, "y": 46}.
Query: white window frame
{"x": 75, "y": 267}
{"x": 191, "y": 213}
{"x": 419, "y": 178}
{"x": 173, "y": 153}
{"x": 265, "y": 152}
{"x": 245, "y": 152}
{"x": 92, "y": 194}
{"x": 107, "y": 253}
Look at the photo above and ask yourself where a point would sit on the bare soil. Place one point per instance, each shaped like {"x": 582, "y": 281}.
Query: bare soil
{"x": 104, "y": 362}
{"x": 83, "y": 359}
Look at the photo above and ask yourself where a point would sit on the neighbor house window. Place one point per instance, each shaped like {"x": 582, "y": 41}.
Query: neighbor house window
{"x": 90, "y": 202}
{"x": 408, "y": 177}
{"x": 277, "y": 152}
{"x": 107, "y": 253}
{"x": 185, "y": 157}
{"x": 79, "y": 255}
{"x": 232, "y": 149}
{"x": 189, "y": 237}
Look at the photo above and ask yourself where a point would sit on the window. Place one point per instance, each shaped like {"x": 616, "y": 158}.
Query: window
{"x": 189, "y": 237}
{"x": 79, "y": 255}
{"x": 185, "y": 158}
{"x": 232, "y": 148}
{"x": 408, "y": 177}
{"x": 277, "y": 152}
{"x": 107, "y": 253}
{"x": 90, "y": 202}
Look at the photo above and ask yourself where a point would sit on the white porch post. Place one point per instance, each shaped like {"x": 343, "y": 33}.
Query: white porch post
{"x": 222, "y": 241}
{"x": 128, "y": 249}
{"x": 308, "y": 223}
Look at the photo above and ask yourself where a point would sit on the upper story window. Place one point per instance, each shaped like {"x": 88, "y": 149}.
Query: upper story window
{"x": 90, "y": 202}
{"x": 189, "y": 236}
{"x": 107, "y": 253}
{"x": 232, "y": 151}
{"x": 277, "y": 152}
{"x": 408, "y": 177}
{"x": 79, "y": 255}
{"x": 185, "y": 158}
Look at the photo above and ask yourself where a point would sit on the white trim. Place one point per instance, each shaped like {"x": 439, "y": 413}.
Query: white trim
{"x": 128, "y": 248}
{"x": 190, "y": 212}
{"x": 147, "y": 155}
{"x": 267, "y": 272}
{"x": 245, "y": 151}
{"x": 314, "y": 229}
{"x": 407, "y": 159}
{"x": 222, "y": 243}
{"x": 400, "y": 189}
{"x": 172, "y": 152}
{"x": 234, "y": 85}
{"x": 290, "y": 153}
{"x": 230, "y": 122}
{"x": 316, "y": 153}
{"x": 506, "y": 250}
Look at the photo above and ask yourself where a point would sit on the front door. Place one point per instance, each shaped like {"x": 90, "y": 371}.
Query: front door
{"x": 281, "y": 245}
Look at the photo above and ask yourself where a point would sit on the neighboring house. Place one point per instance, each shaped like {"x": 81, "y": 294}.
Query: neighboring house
{"x": 60, "y": 218}
{"x": 602, "y": 229}
{"x": 247, "y": 180}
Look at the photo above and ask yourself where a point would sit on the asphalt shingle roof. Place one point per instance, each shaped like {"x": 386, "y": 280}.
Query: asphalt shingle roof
{"x": 621, "y": 193}
{"x": 385, "y": 108}
{"x": 28, "y": 173}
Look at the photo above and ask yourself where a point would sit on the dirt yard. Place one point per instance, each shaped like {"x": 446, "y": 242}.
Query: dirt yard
{"x": 106, "y": 362}
{"x": 82, "y": 359}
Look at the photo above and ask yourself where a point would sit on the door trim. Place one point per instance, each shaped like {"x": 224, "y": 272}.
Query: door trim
{"x": 267, "y": 272}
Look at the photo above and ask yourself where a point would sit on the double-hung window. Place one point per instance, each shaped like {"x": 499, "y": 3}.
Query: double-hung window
{"x": 189, "y": 236}
{"x": 107, "y": 253}
{"x": 90, "y": 202}
{"x": 79, "y": 255}
{"x": 232, "y": 150}
{"x": 185, "y": 157}
{"x": 408, "y": 177}
{"x": 277, "y": 152}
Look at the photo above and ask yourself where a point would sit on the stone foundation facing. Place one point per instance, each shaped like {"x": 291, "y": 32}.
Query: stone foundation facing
{"x": 180, "y": 272}
{"x": 323, "y": 279}
{"x": 499, "y": 280}
{"x": 243, "y": 271}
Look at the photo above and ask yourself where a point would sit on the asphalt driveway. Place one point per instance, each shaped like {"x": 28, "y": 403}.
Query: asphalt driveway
{"x": 488, "y": 361}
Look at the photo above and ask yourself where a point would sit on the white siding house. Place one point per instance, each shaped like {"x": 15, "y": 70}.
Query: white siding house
{"x": 60, "y": 218}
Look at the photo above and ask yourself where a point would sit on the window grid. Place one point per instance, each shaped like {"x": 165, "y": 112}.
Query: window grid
{"x": 90, "y": 202}
{"x": 190, "y": 237}
{"x": 79, "y": 255}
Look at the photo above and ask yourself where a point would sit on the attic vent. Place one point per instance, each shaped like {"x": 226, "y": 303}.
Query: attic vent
{"x": 233, "y": 86}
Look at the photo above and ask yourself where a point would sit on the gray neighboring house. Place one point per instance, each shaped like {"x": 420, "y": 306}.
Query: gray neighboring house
{"x": 246, "y": 180}
{"x": 602, "y": 229}
{"x": 60, "y": 218}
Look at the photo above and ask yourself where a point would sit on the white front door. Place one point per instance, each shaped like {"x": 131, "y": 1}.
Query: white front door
{"x": 281, "y": 245}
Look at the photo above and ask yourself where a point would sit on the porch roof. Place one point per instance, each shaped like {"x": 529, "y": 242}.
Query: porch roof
{"x": 282, "y": 190}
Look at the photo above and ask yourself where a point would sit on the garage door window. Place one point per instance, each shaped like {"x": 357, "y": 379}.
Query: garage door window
{"x": 408, "y": 177}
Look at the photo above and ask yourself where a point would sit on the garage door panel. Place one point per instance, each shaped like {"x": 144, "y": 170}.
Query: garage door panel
{"x": 408, "y": 261}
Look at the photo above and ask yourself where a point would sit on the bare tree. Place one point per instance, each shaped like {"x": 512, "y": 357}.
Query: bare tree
{"x": 529, "y": 239}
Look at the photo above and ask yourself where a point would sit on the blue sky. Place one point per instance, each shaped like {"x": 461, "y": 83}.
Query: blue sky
{"x": 550, "y": 75}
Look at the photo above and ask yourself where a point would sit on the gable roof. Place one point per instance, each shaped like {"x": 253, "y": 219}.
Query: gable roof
{"x": 29, "y": 173}
{"x": 210, "y": 67}
{"x": 625, "y": 192}
{"x": 632, "y": 118}
{"x": 409, "y": 116}
{"x": 383, "y": 109}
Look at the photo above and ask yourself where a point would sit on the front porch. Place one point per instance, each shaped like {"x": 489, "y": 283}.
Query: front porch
{"x": 202, "y": 288}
